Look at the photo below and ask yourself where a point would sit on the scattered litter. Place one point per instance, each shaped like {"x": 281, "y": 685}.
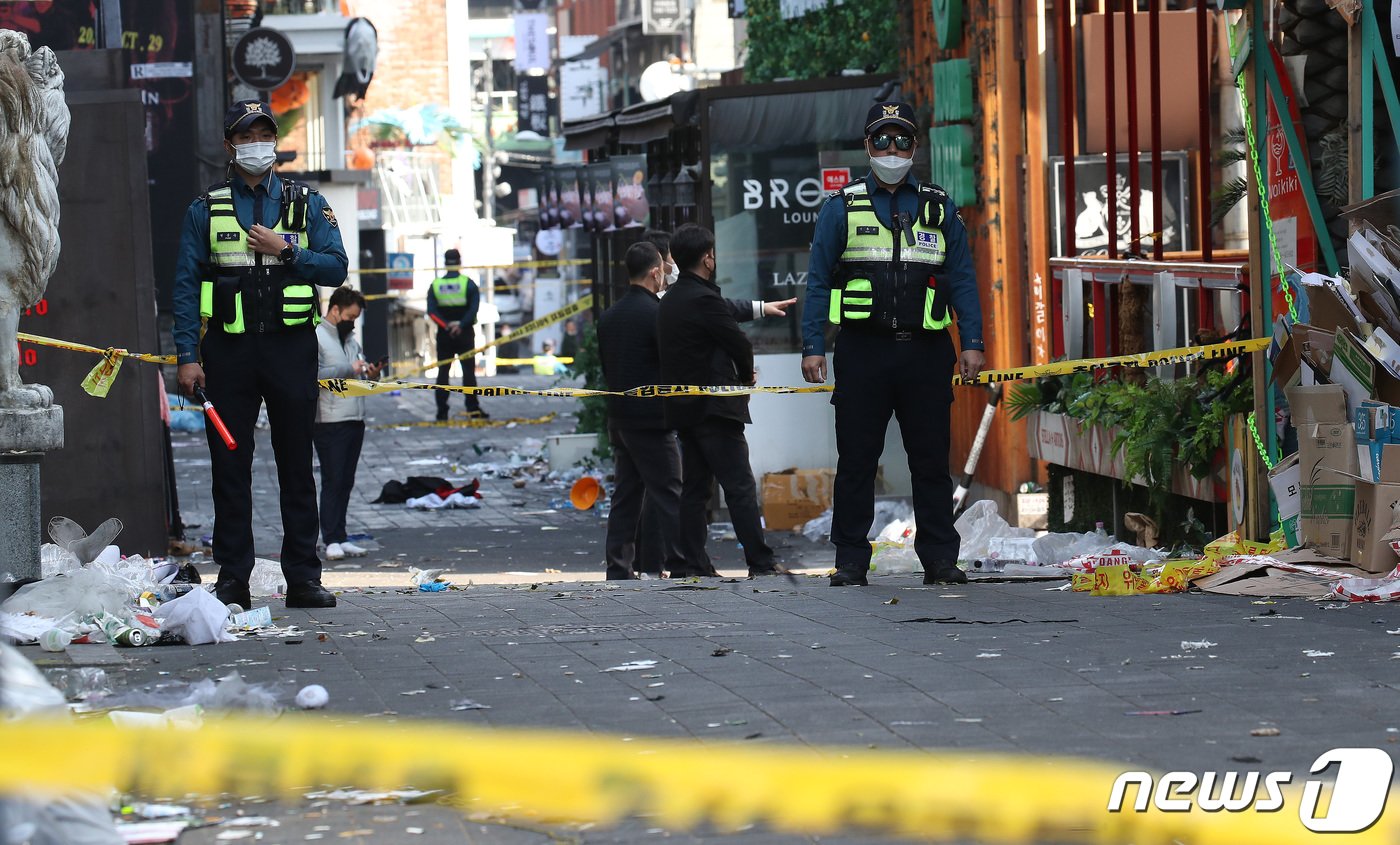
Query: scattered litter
{"x": 312, "y": 697}
{"x": 1312, "y": 652}
{"x": 362, "y": 796}
{"x": 968, "y": 720}
{"x": 433, "y": 587}
{"x": 257, "y": 618}
{"x": 468, "y": 704}
{"x": 266, "y": 578}
{"x": 979, "y": 525}
{"x": 989, "y": 654}
{"x": 1160, "y": 712}
{"x": 893, "y": 600}
{"x": 413, "y": 692}
{"x": 197, "y": 618}
{"x": 425, "y": 638}
{"x": 632, "y": 666}
{"x": 721, "y": 651}
{"x": 1189, "y": 645}
{"x": 1265, "y": 732}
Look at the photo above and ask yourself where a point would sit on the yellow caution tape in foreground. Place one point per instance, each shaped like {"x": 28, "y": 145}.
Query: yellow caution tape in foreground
{"x": 40, "y": 340}
{"x": 554, "y": 776}
{"x": 579, "y": 305}
{"x": 355, "y": 387}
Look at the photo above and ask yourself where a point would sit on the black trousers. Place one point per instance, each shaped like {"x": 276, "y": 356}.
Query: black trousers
{"x": 338, "y": 447}
{"x": 877, "y": 375}
{"x": 651, "y": 549}
{"x": 647, "y": 465}
{"x": 716, "y": 450}
{"x": 447, "y": 347}
{"x": 242, "y": 371}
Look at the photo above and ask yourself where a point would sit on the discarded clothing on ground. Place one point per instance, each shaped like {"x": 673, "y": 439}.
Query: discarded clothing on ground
{"x": 418, "y": 486}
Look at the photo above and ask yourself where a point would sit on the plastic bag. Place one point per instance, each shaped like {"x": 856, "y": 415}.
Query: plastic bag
{"x": 979, "y": 525}
{"x": 818, "y": 528}
{"x": 23, "y": 688}
{"x": 85, "y": 592}
{"x": 266, "y": 579}
{"x": 231, "y": 692}
{"x": 56, "y": 560}
{"x": 197, "y": 617}
{"x": 888, "y": 511}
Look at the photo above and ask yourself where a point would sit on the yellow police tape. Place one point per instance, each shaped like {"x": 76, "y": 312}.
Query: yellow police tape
{"x": 553, "y": 776}
{"x": 355, "y": 387}
{"x": 581, "y": 304}
{"x": 371, "y": 297}
{"x": 520, "y": 265}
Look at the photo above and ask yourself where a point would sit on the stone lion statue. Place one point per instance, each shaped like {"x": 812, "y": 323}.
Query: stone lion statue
{"x": 33, "y": 139}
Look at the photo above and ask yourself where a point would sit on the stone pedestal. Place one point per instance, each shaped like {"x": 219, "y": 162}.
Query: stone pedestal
{"x": 25, "y": 435}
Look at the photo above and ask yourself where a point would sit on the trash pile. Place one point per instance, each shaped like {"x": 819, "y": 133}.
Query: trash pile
{"x": 90, "y": 593}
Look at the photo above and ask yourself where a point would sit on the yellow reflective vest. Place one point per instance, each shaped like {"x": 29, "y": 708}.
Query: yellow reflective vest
{"x": 240, "y": 291}
{"x": 887, "y": 278}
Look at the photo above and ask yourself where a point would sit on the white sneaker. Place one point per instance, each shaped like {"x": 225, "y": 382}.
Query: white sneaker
{"x": 352, "y": 550}
{"x": 334, "y": 551}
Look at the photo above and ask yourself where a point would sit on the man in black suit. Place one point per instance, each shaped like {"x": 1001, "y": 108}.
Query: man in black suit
{"x": 701, "y": 344}
{"x": 645, "y": 452}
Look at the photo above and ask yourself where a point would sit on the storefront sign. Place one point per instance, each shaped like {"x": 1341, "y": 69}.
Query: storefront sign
{"x": 1091, "y": 227}
{"x": 532, "y": 104}
{"x": 531, "y": 41}
{"x": 662, "y": 17}
{"x": 835, "y": 178}
{"x": 400, "y": 271}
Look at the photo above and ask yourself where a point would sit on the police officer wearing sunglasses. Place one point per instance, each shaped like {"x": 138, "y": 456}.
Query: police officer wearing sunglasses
{"x": 890, "y": 266}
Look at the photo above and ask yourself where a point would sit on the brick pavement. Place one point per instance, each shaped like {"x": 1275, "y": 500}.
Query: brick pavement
{"x": 821, "y": 667}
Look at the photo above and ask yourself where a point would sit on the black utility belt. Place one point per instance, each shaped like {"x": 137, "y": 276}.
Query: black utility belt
{"x": 889, "y": 333}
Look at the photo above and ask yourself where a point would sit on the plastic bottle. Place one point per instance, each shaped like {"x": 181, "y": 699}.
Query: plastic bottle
{"x": 1099, "y": 530}
{"x": 55, "y": 639}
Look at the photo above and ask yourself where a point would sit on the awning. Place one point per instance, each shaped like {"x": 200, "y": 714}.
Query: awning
{"x": 649, "y": 121}
{"x": 588, "y": 132}
{"x": 771, "y": 120}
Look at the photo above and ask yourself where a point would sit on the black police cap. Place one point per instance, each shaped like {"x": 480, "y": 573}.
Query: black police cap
{"x": 885, "y": 114}
{"x": 244, "y": 114}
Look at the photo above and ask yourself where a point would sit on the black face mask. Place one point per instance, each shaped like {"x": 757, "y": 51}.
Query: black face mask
{"x": 345, "y": 328}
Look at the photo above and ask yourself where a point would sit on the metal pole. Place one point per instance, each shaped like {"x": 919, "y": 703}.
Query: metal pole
{"x": 1203, "y": 125}
{"x": 488, "y": 165}
{"x": 111, "y": 11}
{"x": 1134, "y": 178}
{"x": 1154, "y": 49}
{"x": 1110, "y": 123}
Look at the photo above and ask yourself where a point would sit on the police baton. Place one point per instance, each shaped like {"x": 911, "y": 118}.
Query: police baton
{"x": 214, "y": 418}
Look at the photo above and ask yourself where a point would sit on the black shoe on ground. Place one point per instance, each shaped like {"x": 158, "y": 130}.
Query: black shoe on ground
{"x": 847, "y": 578}
{"x": 477, "y": 414}
{"x": 945, "y": 573}
{"x": 770, "y": 569}
{"x": 309, "y": 594}
{"x": 441, "y": 416}
{"x": 229, "y": 591}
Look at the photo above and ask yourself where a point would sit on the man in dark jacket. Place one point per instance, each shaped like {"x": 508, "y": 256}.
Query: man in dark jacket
{"x": 701, "y": 344}
{"x": 645, "y": 452}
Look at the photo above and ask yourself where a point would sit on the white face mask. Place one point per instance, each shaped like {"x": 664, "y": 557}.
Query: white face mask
{"x": 891, "y": 169}
{"x": 672, "y": 274}
{"x": 257, "y": 157}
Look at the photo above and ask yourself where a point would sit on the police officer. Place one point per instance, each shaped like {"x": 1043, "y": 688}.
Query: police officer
{"x": 889, "y": 257}
{"x": 453, "y": 300}
{"x": 245, "y": 315}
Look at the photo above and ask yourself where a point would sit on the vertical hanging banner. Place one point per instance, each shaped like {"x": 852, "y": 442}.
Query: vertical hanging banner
{"x": 531, "y": 41}
{"x": 532, "y": 104}
{"x": 1288, "y": 207}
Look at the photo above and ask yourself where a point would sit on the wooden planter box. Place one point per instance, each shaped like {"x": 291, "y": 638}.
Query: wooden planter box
{"x": 1068, "y": 442}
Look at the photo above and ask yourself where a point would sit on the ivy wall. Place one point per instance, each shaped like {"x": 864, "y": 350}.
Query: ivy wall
{"x": 856, "y": 34}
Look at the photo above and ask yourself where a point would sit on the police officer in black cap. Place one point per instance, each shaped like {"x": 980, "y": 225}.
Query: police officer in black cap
{"x": 251, "y": 252}
{"x": 889, "y": 259}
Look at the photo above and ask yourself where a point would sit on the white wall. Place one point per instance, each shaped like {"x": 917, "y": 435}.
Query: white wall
{"x": 344, "y": 200}
{"x": 799, "y": 430}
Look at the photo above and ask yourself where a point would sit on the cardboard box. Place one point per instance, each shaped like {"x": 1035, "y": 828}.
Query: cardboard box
{"x": 1374, "y": 514}
{"x": 1361, "y": 375}
{"x": 794, "y": 496}
{"x": 1328, "y": 467}
{"x": 1288, "y": 495}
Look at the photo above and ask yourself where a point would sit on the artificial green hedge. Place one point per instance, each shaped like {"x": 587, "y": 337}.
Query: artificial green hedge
{"x": 856, "y": 34}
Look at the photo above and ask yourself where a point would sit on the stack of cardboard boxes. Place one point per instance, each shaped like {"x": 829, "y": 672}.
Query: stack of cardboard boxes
{"x": 1341, "y": 371}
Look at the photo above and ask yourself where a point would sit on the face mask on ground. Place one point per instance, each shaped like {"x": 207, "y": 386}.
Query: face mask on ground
{"x": 891, "y": 169}
{"x": 256, "y": 157}
{"x": 345, "y": 328}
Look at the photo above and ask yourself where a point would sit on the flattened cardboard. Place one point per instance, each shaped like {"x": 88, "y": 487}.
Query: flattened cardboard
{"x": 1263, "y": 580}
{"x": 794, "y": 496}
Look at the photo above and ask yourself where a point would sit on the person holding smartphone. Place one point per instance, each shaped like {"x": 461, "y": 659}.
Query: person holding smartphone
{"x": 339, "y": 431}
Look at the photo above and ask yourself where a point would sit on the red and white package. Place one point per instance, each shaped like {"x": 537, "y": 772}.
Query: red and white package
{"x": 1369, "y": 589}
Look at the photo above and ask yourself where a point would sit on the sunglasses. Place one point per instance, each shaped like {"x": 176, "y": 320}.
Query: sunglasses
{"x": 903, "y": 143}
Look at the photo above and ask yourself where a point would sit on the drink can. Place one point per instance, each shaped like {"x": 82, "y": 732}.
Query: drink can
{"x": 129, "y": 637}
